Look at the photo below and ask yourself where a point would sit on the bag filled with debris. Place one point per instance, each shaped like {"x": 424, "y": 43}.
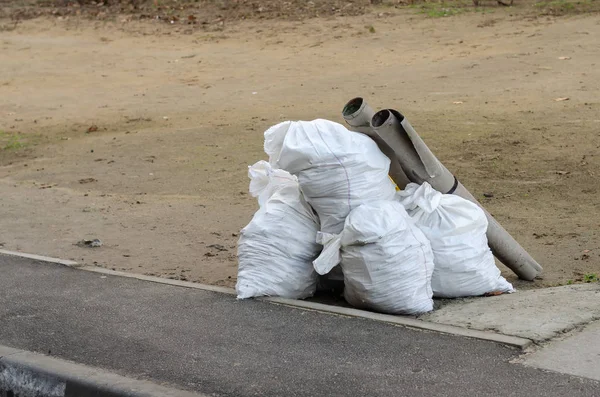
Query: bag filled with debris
{"x": 456, "y": 228}
{"x": 277, "y": 247}
{"x": 337, "y": 169}
{"x": 386, "y": 260}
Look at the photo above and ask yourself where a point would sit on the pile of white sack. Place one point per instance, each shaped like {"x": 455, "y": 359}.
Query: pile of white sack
{"x": 326, "y": 199}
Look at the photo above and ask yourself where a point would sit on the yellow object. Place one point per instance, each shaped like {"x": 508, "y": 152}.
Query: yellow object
{"x": 396, "y": 186}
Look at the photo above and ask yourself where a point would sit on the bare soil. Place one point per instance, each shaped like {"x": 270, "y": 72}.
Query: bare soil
{"x": 139, "y": 132}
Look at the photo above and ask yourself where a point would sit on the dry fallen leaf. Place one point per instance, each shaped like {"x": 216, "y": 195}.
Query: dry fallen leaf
{"x": 92, "y": 128}
{"x": 493, "y": 293}
{"x": 564, "y": 58}
{"x": 562, "y": 99}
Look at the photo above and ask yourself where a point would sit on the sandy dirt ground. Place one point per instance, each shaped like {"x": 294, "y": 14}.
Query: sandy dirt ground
{"x": 140, "y": 134}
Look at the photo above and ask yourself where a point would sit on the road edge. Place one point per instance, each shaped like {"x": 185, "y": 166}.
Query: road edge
{"x": 509, "y": 340}
{"x": 26, "y": 373}
{"x": 42, "y": 258}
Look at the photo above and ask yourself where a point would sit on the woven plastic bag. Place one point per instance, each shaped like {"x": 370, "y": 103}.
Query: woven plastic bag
{"x": 337, "y": 169}
{"x": 277, "y": 247}
{"x": 456, "y": 228}
{"x": 386, "y": 260}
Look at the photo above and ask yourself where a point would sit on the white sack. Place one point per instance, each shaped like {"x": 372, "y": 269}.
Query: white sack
{"x": 386, "y": 260}
{"x": 456, "y": 228}
{"x": 337, "y": 169}
{"x": 277, "y": 247}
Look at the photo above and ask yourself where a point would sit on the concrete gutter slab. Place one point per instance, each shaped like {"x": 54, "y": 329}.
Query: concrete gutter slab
{"x": 538, "y": 315}
{"x": 578, "y": 354}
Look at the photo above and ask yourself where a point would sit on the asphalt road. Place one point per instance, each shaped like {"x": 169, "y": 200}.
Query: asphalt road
{"x": 211, "y": 343}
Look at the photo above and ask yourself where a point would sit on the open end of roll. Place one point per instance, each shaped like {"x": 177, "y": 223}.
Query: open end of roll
{"x": 380, "y": 117}
{"x": 352, "y": 107}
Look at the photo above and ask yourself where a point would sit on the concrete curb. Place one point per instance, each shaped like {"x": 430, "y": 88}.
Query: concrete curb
{"x": 513, "y": 341}
{"x": 23, "y": 373}
{"x": 40, "y": 258}
{"x": 409, "y": 322}
{"x": 160, "y": 280}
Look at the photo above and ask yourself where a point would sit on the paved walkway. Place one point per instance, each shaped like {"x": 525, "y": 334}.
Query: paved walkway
{"x": 210, "y": 343}
{"x": 537, "y": 314}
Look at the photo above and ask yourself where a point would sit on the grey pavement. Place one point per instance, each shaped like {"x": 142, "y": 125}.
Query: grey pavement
{"x": 577, "y": 354}
{"x": 537, "y": 314}
{"x": 210, "y": 343}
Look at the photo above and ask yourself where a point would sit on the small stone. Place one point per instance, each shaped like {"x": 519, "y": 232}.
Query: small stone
{"x": 95, "y": 243}
{"x": 218, "y": 247}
